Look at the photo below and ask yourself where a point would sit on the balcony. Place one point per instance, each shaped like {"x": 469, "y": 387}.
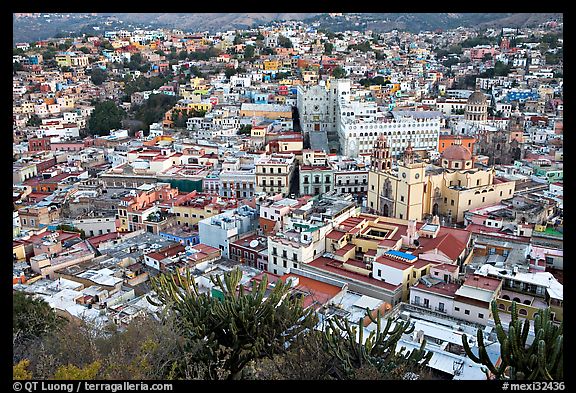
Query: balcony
{"x": 440, "y": 309}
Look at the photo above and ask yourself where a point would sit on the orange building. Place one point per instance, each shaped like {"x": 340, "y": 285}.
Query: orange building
{"x": 446, "y": 141}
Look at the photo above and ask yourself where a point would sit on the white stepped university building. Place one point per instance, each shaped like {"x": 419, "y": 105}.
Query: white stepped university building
{"x": 329, "y": 106}
{"x": 360, "y": 125}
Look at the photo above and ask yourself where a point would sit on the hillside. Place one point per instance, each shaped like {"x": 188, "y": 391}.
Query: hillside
{"x": 50, "y": 25}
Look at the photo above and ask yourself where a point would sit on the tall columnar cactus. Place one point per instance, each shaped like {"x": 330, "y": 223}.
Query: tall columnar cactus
{"x": 244, "y": 325}
{"x": 542, "y": 359}
{"x": 346, "y": 343}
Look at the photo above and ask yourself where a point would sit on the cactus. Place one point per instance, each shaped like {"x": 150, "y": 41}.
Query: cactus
{"x": 541, "y": 360}
{"x": 244, "y": 326}
{"x": 378, "y": 350}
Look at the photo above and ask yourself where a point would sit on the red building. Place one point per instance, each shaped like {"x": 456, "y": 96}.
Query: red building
{"x": 38, "y": 144}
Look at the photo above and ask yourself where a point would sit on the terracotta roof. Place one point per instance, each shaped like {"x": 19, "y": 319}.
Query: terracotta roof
{"x": 446, "y": 266}
{"x": 456, "y": 152}
{"x": 336, "y": 235}
{"x": 345, "y": 249}
{"x": 446, "y": 289}
{"x": 447, "y": 244}
{"x": 394, "y": 263}
{"x": 482, "y": 282}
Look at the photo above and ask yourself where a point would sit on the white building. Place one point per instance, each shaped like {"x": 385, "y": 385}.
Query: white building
{"x": 220, "y": 230}
{"x": 361, "y": 124}
{"x": 318, "y": 105}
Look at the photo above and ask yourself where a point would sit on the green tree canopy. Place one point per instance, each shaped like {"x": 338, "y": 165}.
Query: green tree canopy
{"x": 338, "y": 72}
{"x": 284, "y": 41}
{"x": 249, "y": 52}
{"x": 105, "y": 117}
{"x": 98, "y": 76}
{"x": 32, "y": 319}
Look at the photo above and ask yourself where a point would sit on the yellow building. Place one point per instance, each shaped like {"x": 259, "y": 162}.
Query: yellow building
{"x": 269, "y": 111}
{"x": 274, "y": 173}
{"x": 411, "y": 192}
{"x": 258, "y": 131}
{"x": 189, "y": 215}
{"x": 271, "y": 65}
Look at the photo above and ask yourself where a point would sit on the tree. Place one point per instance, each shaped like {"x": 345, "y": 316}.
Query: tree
{"x": 238, "y": 326}
{"x": 338, "y": 72}
{"x": 249, "y": 52}
{"x": 346, "y": 345}
{"x": 267, "y": 51}
{"x": 34, "y": 121}
{"x": 328, "y": 48}
{"x": 145, "y": 349}
{"x": 73, "y": 373}
{"x": 229, "y": 71}
{"x": 541, "y": 360}
{"x": 182, "y": 55}
{"x": 284, "y": 41}
{"x": 17, "y": 66}
{"x": 244, "y": 129}
{"x": 32, "y": 319}
{"x": 20, "y": 370}
{"x": 306, "y": 359}
{"x": 106, "y": 116}
{"x": 501, "y": 69}
{"x": 98, "y": 76}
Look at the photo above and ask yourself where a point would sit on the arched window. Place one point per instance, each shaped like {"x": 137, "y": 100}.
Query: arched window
{"x": 522, "y": 311}
{"x": 527, "y": 302}
{"x": 506, "y": 297}
{"x": 502, "y": 307}
{"x": 517, "y": 300}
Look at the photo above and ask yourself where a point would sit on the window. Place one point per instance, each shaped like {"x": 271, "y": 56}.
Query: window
{"x": 469, "y": 202}
{"x": 414, "y": 274}
{"x": 480, "y": 315}
{"x": 451, "y": 202}
{"x": 456, "y": 308}
{"x": 467, "y": 312}
{"x": 401, "y": 198}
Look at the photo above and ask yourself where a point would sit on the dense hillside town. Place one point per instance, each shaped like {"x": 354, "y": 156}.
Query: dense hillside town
{"x": 413, "y": 176}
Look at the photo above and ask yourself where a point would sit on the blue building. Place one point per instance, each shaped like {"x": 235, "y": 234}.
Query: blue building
{"x": 182, "y": 236}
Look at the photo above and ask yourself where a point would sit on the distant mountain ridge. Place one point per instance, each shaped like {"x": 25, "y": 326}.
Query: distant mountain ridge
{"x": 29, "y": 29}
{"x": 417, "y": 22}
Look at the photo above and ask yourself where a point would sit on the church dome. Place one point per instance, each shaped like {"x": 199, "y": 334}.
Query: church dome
{"x": 457, "y": 153}
{"x": 477, "y": 98}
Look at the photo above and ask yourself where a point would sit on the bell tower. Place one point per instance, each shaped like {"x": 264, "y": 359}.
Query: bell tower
{"x": 381, "y": 159}
{"x": 410, "y": 191}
